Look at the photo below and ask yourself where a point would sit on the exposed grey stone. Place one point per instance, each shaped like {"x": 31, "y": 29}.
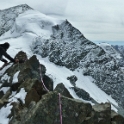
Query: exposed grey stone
{"x": 72, "y": 79}
{"x": 60, "y": 88}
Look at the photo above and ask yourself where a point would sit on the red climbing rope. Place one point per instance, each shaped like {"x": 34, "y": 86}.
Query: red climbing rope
{"x": 42, "y": 80}
{"x": 60, "y": 107}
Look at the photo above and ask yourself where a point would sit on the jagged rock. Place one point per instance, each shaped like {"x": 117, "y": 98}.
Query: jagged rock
{"x": 3, "y": 102}
{"x": 72, "y": 79}
{"x": 30, "y": 69}
{"x": 1, "y": 94}
{"x": 64, "y": 47}
{"x": 60, "y": 88}
{"x": 120, "y": 49}
{"x": 116, "y": 118}
{"x": 103, "y": 112}
{"x": 9, "y": 73}
{"x": 73, "y": 112}
{"x": 32, "y": 95}
{"x": 34, "y": 90}
{"x": 83, "y": 94}
{"x": 47, "y": 111}
{"x": 29, "y": 78}
{"x": 21, "y": 56}
{"x": 15, "y": 86}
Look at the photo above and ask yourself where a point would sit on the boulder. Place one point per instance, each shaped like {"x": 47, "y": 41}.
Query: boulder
{"x": 103, "y": 113}
{"x": 60, "y": 88}
{"x": 47, "y": 111}
{"x": 72, "y": 79}
{"x": 116, "y": 118}
{"x": 83, "y": 94}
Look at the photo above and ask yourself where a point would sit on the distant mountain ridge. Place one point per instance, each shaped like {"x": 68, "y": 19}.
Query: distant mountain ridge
{"x": 120, "y": 49}
{"x": 68, "y": 47}
{"x": 8, "y": 16}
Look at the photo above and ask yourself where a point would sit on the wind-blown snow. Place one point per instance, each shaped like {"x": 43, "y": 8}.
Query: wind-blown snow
{"x": 4, "y": 112}
{"x": 34, "y": 22}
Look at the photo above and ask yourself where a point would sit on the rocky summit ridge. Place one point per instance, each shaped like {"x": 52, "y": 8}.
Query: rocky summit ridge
{"x": 39, "y": 106}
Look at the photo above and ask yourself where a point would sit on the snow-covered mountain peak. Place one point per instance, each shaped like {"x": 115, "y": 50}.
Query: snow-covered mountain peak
{"x": 32, "y": 21}
{"x": 110, "y": 50}
{"x": 20, "y": 8}
{"x": 8, "y": 16}
{"x": 67, "y": 32}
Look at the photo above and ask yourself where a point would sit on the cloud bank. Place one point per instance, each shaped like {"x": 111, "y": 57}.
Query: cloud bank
{"x": 98, "y": 20}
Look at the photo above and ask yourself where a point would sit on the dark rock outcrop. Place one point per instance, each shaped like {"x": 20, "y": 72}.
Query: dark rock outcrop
{"x": 60, "y": 88}
{"x": 39, "y": 106}
{"x": 72, "y": 79}
{"x": 83, "y": 94}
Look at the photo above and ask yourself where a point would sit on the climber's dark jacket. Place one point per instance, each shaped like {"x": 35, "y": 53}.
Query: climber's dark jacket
{"x": 3, "y": 53}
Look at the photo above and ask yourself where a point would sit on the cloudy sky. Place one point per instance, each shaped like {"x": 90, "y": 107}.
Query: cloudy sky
{"x": 98, "y": 20}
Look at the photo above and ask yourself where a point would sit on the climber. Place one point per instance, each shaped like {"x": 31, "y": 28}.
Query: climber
{"x": 3, "y": 48}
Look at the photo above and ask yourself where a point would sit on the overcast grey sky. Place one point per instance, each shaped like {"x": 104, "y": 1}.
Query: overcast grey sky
{"x": 98, "y": 20}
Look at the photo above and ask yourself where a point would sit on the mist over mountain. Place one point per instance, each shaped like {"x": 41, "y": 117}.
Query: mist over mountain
{"x": 84, "y": 70}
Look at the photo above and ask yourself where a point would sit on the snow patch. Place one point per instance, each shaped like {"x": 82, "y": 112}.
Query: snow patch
{"x": 4, "y": 89}
{"x": 15, "y": 77}
{"x": 4, "y": 113}
{"x": 21, "y": 95}
{"x": 5, "y": 77}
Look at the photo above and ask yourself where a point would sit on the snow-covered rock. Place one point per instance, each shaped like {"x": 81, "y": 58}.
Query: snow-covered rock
{"x": 8, "y": 16}
{"x": 120, "y": 49}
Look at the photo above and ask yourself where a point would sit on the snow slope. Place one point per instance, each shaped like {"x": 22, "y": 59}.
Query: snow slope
{"x": 27, "y": 27}
{"x": 32, "y": 21}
